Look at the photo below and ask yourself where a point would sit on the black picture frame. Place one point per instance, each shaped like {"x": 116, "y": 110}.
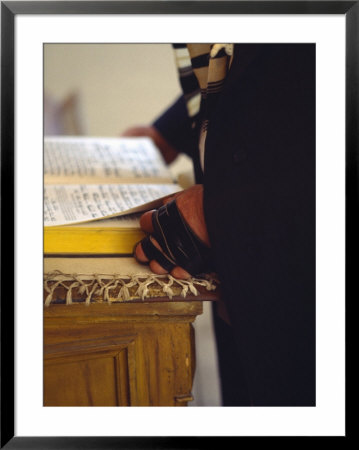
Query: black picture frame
{"x": 9, "y": 9}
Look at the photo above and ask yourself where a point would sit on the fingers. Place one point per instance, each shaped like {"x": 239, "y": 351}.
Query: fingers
{"x": 176, "y": 272}
{"x": 146, "y": 222}
{"x": 149, "y": 251}
{"x": 146, "y": 218}
{"x": 139, "y": 254}
{"x": 180, "y": 273}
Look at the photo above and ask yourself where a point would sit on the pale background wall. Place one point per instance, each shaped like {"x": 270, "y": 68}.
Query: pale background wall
{"x": 121, "y": 85}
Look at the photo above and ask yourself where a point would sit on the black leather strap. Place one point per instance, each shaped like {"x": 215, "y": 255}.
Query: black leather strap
{"x": 178, "y": 241}
{"x": 152, "y": 252}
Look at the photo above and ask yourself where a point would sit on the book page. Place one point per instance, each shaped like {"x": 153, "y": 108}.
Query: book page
{"x": 75, "y": 203}
{"x": 127, "y": 221}
{"x": 103, "y": 160}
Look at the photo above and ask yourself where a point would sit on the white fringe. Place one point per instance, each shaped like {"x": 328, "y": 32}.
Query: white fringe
{"x": 101, "y": 285}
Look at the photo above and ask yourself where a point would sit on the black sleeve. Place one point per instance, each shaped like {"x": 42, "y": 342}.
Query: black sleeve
{"x": 176, "y": 127}
{"x": 259, "y": 202}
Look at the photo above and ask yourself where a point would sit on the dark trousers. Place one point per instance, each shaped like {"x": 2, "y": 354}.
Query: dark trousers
{"x": 233, "y": 384}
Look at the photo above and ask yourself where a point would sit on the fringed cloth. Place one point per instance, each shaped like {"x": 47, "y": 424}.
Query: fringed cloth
{"x": 67, "y": 288}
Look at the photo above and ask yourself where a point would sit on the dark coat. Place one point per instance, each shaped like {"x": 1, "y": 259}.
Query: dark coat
{"x": 259, "y": 203}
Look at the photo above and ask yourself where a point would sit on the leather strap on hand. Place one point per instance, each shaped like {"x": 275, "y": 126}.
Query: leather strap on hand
{"x": 180, "y": 245}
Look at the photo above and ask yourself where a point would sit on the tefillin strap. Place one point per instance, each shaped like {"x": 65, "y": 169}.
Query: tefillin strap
{"x": 180, "y": 245}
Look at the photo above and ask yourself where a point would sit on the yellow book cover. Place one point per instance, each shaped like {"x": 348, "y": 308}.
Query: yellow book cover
{"x": 94, "y": 190}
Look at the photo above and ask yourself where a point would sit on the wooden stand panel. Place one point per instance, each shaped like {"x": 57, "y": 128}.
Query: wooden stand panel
{"x": 119, "y": 354}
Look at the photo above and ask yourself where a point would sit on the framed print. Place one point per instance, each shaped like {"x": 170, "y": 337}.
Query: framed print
{"x": 28, "y": 31}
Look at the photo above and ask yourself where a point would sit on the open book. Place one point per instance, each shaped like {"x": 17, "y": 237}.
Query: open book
{"x": 94, "y": 190}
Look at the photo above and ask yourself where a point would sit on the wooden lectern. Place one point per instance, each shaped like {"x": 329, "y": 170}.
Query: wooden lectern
{"x": 104, "y": 350}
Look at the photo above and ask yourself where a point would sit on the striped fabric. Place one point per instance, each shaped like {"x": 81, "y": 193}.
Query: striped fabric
{"x": 202, "y": 70}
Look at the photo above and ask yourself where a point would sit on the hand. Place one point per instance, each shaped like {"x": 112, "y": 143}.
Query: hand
{"x": 168, "y": 152}
{"x": 190, "y": 205}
